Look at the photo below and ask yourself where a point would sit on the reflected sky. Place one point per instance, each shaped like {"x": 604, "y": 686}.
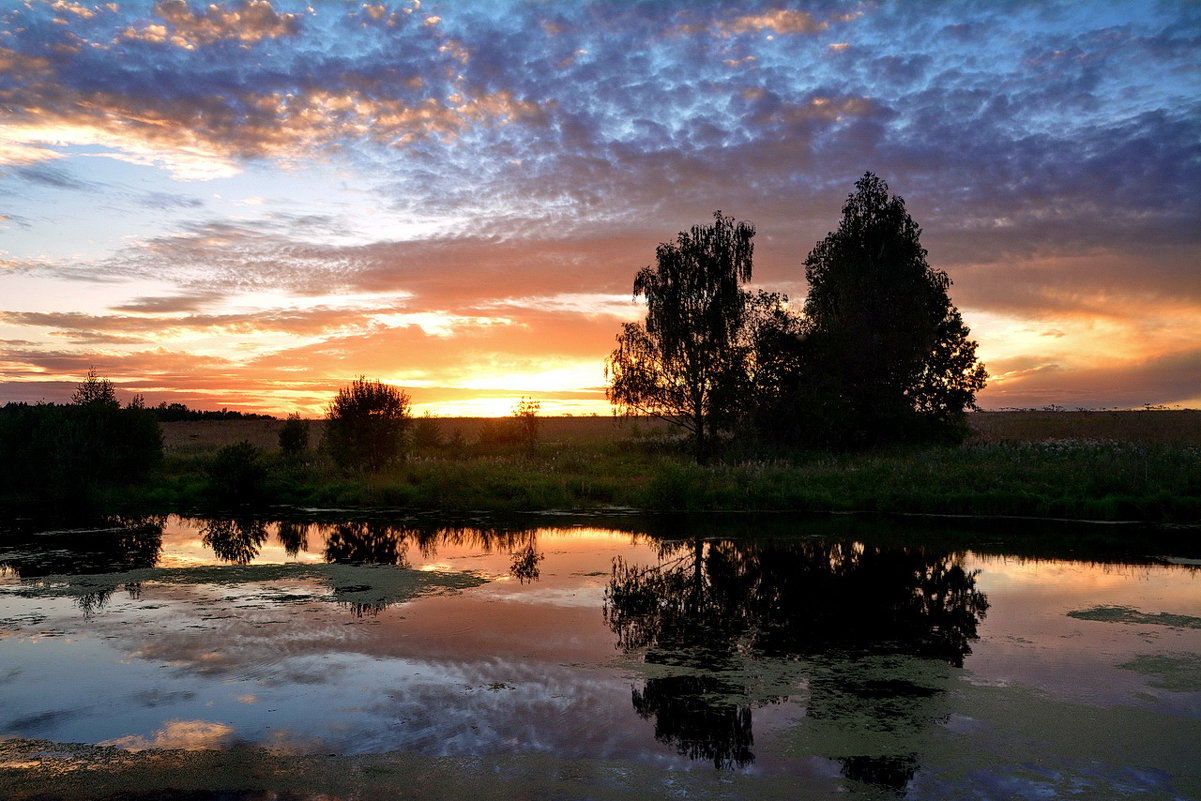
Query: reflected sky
{"x": 278, "y": 654}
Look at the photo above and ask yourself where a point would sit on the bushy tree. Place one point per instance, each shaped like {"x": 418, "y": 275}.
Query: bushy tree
{"x": 684, "y": 363}
{"x": 95, "y": 391}
{"x": 294, "y": 437}
{"x": 427, "y": 433}
{"x": 365, "y": 424}
{"x": 886, "y": 354}
{"x": 237, "y": 473}
{"x": 525, "y": 419}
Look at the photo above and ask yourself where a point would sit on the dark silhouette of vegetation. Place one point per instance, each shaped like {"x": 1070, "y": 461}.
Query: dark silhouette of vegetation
{"x": 366, "y": 424}
{"x": 237, "y": 541}
{"x": 95, "y": 391}
{"x": 520, "y": 428}
{"x": 237, "y": 474}
{"x": 879, "y": 354}
{"x": 294, "y": 437}
{"x": 711, "y": 603}
{"x": 683, "y": 364}
{"x": 427, "y": 434}
{"x": 525, "y": 416}
{"x": 886, "y": 354}
{"x": 57, "y": 451}
{"x": 179, "y": 412}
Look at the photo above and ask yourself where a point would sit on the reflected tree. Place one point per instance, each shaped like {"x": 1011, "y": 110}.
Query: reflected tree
{"x": 366, "y": 543}
{"x": 524, "y": 566}
{"x": 293, "y": 536}
{"x": 235, "y": 540}
{"x": 110, "y": 545}
{"x": 692, "y": 712}
{"x": 710, "y": 604}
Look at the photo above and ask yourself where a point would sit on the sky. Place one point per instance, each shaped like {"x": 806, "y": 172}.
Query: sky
{"x": 249, "y": 204}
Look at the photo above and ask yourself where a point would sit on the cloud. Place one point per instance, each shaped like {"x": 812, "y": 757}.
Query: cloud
{"x": 187, "y": 735}
{"x": 1168, "y": 379}
{"x": 52, "y": 176}
{"x": 780, "y": 21}
{"x": 507, "y": 159}
{"x": 248, "y": 22}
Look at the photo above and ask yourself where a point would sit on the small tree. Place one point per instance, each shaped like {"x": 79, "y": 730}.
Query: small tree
{"x": 684, "y": 364}
{"x": 237, "y": 473}
{"x": 427, "y": 434}
{"x": 294, "y": 437}
{"x": 886, "y": 352}
{"x": 525, "y": 416}
{"x": 95, "y": 391}
{"x": 366, "y": 424}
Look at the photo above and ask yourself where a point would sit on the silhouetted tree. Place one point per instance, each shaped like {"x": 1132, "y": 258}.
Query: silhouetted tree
{"x": 710, "y": 603}
{"x": 683, "y": 364}
{"x": 294, "y": 437}
{"x": 886, "y": 353}
{"x": 427, "y": 433}
{"x": 525, "y": 416}
{"x": 237, "y": 541}
{"x": 366, "y": 424}
{"x": 95, "y": 391}
{"x": 237, "y": 473}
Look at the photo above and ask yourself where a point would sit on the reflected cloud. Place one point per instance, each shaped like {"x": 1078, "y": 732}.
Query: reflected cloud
{"x": 186, "y": 735}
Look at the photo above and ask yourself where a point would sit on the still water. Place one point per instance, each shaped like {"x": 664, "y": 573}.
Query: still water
{"x": 579, "y": 657}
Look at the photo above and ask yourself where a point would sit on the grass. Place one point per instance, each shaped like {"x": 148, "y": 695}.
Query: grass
{"x": 1097, "y": 466}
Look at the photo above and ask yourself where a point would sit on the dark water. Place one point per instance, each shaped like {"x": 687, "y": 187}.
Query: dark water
{"x": 597, "y": 658}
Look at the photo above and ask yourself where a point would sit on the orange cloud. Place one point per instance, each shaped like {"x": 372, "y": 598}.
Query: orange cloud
{"x": 778, "y": 21}
{"x": 247, "y": 22}
{"x": 186, "y": 735}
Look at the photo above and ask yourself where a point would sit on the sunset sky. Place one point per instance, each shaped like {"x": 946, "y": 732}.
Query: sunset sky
{"x": 249, "y": 204}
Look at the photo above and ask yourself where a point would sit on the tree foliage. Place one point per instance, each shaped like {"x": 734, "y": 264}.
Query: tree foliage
{"x": 294, "y": 437}
{"x": 879, "y": 353}
{"x": 58, "y": 451}
{"x": 683, "y": 364}
{"x": 366, "y": 424}
{"x": 886, "y": 354}
{"x": 95, "y": 391}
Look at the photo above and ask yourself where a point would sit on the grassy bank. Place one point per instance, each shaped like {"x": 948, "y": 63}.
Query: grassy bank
{"x": 589, "y": 463}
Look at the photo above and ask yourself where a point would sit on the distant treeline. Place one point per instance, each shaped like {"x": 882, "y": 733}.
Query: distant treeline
{"x": 175, "y": 412}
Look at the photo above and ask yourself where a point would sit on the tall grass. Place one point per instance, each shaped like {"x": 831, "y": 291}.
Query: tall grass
{"x": 1078, "y": 479}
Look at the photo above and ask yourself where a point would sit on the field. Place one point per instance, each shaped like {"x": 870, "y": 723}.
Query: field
{"x": 1137, "y": 465}
{"x": 1169, "y": 427}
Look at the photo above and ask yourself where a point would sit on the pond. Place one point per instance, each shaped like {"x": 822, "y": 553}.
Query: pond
{"x": 308, "y": 656}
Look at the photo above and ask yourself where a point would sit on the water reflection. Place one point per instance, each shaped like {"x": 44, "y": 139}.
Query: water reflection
{"x": 236, "y": 541}
{"x": 110, "y": 545}
{"x": 106, "y": 551}
{"x": 35, "y": 548}
{"x": 831, "y": 609}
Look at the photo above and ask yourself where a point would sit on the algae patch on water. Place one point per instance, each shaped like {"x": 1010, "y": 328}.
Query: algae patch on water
{"x": 1128, "y": 614}
{"x": 357, "y": 585}
{"x": 1175, "y": 672}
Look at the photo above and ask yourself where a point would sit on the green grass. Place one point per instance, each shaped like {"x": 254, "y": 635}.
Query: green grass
{"x": 1077, "y": 479}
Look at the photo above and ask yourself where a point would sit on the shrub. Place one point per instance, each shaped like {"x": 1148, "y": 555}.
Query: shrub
{"x": 294, "y": 437}
{"x": 427, "y": 434}
{"x": 366, "y": 425}
{"x": 237, "y": 473}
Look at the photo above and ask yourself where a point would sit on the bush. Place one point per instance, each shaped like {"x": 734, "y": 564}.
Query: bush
{"x": 237, "y": 473}
{"x": 427, "y": 434}
{"x": 294, "y": 437}
{"x": 366, "y": 425}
